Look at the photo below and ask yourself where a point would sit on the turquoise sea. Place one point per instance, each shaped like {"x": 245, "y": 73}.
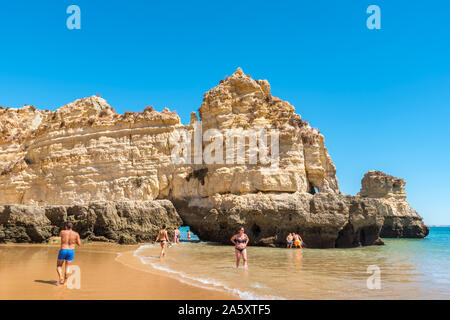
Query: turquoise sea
{"x": 408, "y": 269}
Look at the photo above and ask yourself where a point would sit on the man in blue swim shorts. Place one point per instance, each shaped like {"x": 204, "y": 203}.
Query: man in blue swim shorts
{"x": 69, "y": 239}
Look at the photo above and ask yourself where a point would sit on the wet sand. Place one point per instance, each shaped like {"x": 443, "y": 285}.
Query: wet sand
{"x": 108, "y": 271}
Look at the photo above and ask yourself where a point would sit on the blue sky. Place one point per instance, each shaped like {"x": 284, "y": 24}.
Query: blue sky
{"x": 380, "y": 97}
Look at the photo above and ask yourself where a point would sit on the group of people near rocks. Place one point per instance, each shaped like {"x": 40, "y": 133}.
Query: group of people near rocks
{"x": 293, "y": 240}
{"x": 240, "y": 241}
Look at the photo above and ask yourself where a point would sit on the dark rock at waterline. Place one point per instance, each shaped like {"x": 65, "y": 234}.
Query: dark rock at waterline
{"x": 127, "y": 239}
{"x": 125, "y": 222}
{"x": 324, "y": 220}
{"x": 400, "y": 219}
{"x": 404, "y": 227}
{"x": 24, "y": 224}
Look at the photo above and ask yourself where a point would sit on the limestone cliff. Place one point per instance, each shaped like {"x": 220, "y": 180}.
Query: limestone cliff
{"x": 85, "y": 152}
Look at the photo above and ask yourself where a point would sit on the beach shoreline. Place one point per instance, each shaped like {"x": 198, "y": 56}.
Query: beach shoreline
{"x": 108, "y": 271}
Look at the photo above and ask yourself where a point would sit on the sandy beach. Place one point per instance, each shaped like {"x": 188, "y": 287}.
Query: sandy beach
{"x": 108, "y": 271}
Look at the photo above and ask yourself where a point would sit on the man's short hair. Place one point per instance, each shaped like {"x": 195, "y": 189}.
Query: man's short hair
{"x": 69, "y": 225}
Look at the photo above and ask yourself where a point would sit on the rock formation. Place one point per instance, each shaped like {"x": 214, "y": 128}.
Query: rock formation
{"x": 400, "y": 219}
{"x": 84, "y": 155}
{"x": 125, "y": 222}
{"x": 325, "y": 219}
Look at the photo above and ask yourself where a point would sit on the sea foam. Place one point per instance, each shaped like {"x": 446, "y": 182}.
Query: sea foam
{"x": 205, "y": 283}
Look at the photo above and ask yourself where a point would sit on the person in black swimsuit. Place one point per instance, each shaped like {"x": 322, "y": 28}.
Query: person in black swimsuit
{"x": 240, "y": 242}
{"x": 163, "y": 239}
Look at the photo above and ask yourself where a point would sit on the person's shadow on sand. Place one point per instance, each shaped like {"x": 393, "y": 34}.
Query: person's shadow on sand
{"x": 52, "y": 282}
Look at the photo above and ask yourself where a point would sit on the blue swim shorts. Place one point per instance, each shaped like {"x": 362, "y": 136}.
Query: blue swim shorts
{"x": 66, "y": 254}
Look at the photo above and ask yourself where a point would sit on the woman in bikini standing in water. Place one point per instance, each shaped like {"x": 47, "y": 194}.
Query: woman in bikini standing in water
{"x": 163, "y": 239}
{"x": 240, "y": 242}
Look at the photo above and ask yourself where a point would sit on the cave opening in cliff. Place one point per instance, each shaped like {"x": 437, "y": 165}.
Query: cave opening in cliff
{"x": 256, "y": 230}
{"x": 312, "y": 189}
{"x": 362, "y": 237}
{"x": 187, "y": 235}
{"x": 345, "y": 237}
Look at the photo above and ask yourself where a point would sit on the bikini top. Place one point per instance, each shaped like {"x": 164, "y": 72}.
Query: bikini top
{"x": 241, "y": 240}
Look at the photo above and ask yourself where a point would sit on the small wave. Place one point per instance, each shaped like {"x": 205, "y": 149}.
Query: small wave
{"x": 143, "y": 247}
{"x": 140, "y": 249}
{"x": 201, "y": 282}
{"x": 258, "y": 285}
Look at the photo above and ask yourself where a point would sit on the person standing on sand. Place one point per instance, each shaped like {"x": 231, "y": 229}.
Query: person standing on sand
{"x": 189, "y": 234}
{"x": 69, "y": 239}
{"x": 163, "y": 239}
{"x": 240, "y": 242}
{"x": 289, "y": 240}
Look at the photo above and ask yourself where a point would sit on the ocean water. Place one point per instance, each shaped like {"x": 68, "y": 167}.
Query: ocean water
{"x": 184, "y": 234}
{"x": 408, "y": 269}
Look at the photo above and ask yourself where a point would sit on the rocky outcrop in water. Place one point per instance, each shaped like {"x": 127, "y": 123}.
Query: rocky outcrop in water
{"x": 84, "y": 161}
{"x": 400, "y": 219}
{"x": 325, "y": 220}
{"x": 125, "y": 222}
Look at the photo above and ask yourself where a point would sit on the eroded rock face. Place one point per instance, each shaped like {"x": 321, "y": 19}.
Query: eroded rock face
{"x": 376, "y": 184}
{"x": 240, "y": 102}
{"x": 325, "y": 220}
{"x": 125, "y": 222}
{"x": 400, "y": 219}
{"x": 21, "y": 223}
{"x": 84, "y": 162}
{"x": 86, "y": 152}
